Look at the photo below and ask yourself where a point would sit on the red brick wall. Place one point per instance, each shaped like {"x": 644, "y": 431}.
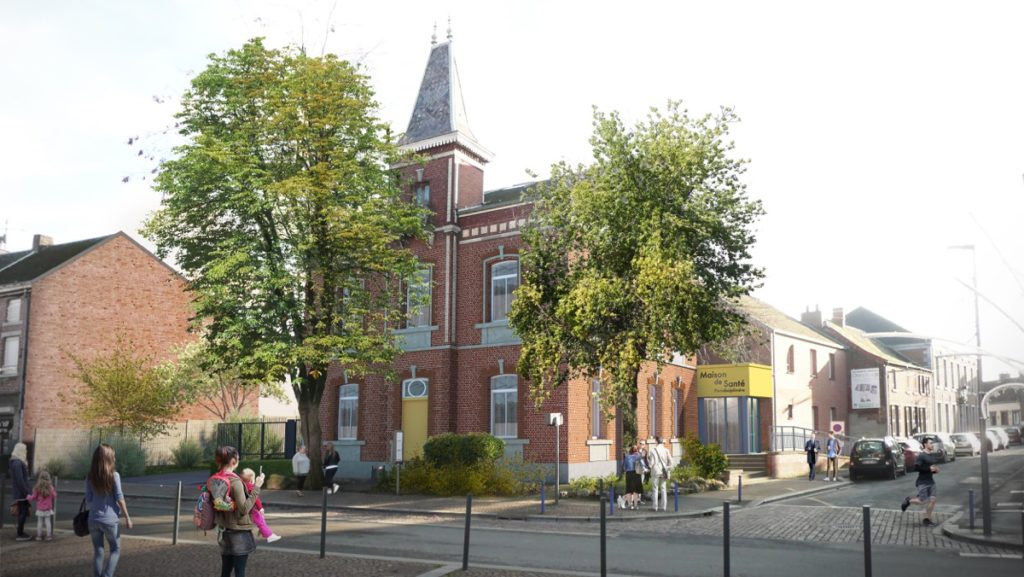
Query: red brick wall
{"x": 80, "y": 307}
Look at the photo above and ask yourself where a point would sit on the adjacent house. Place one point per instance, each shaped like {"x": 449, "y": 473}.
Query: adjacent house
{"x": 954, "y": 400}
{"x": 763, "y": 394}
{"x": 889, "y": 394}
{"x": 73, "y": 298}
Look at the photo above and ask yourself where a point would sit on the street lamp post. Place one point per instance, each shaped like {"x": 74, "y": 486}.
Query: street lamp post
{"x": 986, "y": 499}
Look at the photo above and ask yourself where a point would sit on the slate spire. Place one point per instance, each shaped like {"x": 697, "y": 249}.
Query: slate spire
{"x": 439, "y": 116}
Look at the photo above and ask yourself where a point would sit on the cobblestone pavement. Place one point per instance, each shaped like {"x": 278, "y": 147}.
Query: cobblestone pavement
{"x": 818, "y": 524}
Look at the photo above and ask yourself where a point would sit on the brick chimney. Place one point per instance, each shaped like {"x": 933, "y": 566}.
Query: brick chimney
{"x": 40, "y": 241}
{"x": 812, "y": 318}
{"x": 838, "y": 317}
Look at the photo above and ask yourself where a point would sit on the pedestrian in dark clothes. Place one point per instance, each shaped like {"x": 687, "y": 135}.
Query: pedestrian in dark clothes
{"x": 812, "y": 447}
{"x": 926, "y": 491}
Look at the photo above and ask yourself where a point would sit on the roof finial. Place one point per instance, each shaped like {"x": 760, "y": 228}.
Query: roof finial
{"x": 449, "y": 27}
{"x": 433, "y": 37}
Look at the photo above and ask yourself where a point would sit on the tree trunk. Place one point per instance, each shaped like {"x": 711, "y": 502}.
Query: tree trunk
{"x": 308, "y": 395}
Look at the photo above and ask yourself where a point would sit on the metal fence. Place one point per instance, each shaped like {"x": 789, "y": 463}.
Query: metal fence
{"x": 255, "y": 439}
{"x": 793, "y": 439}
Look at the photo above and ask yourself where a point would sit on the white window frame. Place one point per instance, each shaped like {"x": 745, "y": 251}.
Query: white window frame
{"x": 500, "y": 388}
{"x": 13, "y": 314}
{"x": 502, "y": 315}
{"x": 11, "y": 349}
{"x": 415, "y": 287}
{"x": 421, "y": 193}
{"x": 408, "y": 392}
{"x": 596, "y": 419}
{"x": 676, "y": 401}
{"x": 652, "y": 410}
{"x": 348, "y": 395}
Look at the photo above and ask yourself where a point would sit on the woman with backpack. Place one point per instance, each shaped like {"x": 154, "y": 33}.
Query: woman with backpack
{"x": 235, "y": 538}
{"x": 106, "y": 502}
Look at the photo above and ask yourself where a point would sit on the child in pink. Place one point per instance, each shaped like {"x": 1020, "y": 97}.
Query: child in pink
{"x": 45, "y": 495}
{"x": 248, "y": 477}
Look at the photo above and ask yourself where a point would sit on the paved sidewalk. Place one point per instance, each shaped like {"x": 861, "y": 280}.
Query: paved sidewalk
{"x": 70, "y": 556}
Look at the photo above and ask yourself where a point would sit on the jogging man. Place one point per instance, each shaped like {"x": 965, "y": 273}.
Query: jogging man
{"x": 926, "y": 493}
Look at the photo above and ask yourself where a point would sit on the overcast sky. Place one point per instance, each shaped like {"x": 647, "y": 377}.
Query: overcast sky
{"x": 879, "y": 133}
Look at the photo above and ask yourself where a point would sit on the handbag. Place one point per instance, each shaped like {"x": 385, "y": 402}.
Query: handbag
{"x": 81, "y": 521}
{"x": 14, "y": 508}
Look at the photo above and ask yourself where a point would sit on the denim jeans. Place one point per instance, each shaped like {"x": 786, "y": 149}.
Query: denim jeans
{"x": 113, "y": 535}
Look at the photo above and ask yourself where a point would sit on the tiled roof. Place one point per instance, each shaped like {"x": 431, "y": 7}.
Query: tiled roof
{"x": 35, "y": 264}
{"x": 859, "y": 339}
{"x": 775, "y": 319}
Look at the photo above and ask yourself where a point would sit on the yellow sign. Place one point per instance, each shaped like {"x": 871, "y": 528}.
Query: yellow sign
{"x": 743, "y": 380}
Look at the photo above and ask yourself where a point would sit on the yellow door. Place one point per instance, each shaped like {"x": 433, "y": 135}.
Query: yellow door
{"x": 414, "y": 417}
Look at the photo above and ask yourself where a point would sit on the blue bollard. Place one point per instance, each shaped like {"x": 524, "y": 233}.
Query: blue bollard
{"x": 611, "y": 502}
{"x": 970, "y": 505}
{"x": 542, "y": 498}
{"x": 675, "y": 492}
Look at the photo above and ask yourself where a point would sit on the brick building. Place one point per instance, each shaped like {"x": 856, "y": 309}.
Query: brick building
{"x": 458, "y": 371}
{"x": 74, "y": 297}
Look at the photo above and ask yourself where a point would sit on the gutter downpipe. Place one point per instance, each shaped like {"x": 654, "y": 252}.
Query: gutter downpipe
{"x": 775, "y": 408}
{"x": 26, "y": 299}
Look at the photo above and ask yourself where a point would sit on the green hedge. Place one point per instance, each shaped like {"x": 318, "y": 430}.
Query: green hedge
{"x": 466, "y": 449}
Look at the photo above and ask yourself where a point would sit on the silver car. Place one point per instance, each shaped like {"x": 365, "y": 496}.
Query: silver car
{"x": 942, "y": 445}
{"x": 966, "y": 444}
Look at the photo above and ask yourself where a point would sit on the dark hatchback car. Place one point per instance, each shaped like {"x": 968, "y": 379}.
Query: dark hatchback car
{"x": 1014, "y": 435}
{"x": 879, "y": 457}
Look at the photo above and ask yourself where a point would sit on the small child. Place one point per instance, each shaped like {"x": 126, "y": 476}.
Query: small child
{"x": 248, "y": 477}
{"x": 44, "y": 494}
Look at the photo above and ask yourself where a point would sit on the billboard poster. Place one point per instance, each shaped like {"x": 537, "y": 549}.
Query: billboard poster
{"x": 864, "y": 389}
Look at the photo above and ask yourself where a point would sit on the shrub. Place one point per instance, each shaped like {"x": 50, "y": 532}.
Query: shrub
{"x": 187, "y": 455}
{"x": 130, "y": 457}
{"x": 467, "y": 449}
{"x": 709, "y": 460}
{"x": 504, "y": 477}
{"x": 685, "y": 472}
{"x": 58, "y": 468}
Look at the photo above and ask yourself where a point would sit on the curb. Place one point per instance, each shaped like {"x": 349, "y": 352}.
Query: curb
{"x": 977, "y": 537}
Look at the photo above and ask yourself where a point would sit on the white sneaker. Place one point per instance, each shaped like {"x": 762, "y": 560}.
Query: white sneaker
{"x": 335, "y": 488}
{"x": 273, "y": 537}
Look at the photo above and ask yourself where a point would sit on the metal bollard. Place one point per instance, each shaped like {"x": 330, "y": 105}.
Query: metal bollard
{"x": 3, "y": 493}
{"x": 604, "y": 541}
{"x": 970, "y": 506}
{"x": 725, "y": 537}
{"x": 611, "y": 502}
{"x": 177, "y": 515}
{"x": 465, "y": 544}
{"x": 542, "y": 498}
{"x": 675, "y": 492}
{"x": 739, "y": 494}
{"x": 600, "y": 486}
{"x": 323, "y": 525}
{"x": 867, "y": 541}
{"x": 53, "y": 521}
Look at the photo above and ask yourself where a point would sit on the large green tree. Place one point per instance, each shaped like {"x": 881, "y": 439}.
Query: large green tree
{"x": 284, "y": 215}
{"x": 635, "y": 256}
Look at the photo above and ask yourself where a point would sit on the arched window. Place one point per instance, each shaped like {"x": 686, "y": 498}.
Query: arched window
{"x": 505, "y": 406}
{"x": 790, "y": 360}
{"x": 652, "y": 410}
{"x": 348, "y": 411}
{"x": 504, "y": 281}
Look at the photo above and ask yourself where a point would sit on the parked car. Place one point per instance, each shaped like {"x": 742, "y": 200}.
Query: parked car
{"x": 879, "y": 456}
{"x": 1013, "y": 433}
{"x": 911, "y": 449}
{"x": 1004, "y": 439}
{"x": 942, "y": 445}
{"x": 994, "y": 441}
{"x": 966, "y": 444}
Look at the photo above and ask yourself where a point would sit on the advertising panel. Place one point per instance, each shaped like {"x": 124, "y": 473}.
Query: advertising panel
{"x": 742, "y": 380}
{"x": 864, "y": 389}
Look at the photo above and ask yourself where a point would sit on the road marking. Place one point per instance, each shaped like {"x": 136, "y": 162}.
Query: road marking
{"x": 816, "y": 500}
{"x": 441, "y": 571}
{"x": 992, "y": 555}
{"x": 1011, "y": 504}
{"x": 1016, "y": 492}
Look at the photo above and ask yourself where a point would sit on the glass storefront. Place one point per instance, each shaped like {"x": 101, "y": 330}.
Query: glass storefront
{"x": 734, "y": 423}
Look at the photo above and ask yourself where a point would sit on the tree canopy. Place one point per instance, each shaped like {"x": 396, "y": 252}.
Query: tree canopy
{"x": 636, "y": 256}
{"x": 285, "y": 217}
